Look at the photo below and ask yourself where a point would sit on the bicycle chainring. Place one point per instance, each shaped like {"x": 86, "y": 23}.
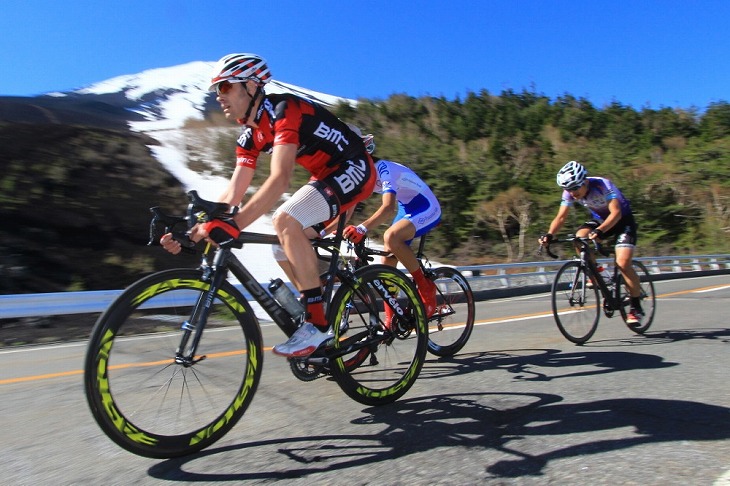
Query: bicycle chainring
{"x": 403, "y": 327}
{"x": 304, "y": 370}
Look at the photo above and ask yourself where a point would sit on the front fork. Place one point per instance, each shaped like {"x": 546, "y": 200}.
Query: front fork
{"x": 193, "y": 327}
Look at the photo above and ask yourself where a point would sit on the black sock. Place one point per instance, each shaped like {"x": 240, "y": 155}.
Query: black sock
{"x": 315, "y": 308}
{"x": 636, "y": 303}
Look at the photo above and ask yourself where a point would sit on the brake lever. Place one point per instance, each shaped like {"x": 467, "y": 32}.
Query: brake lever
{"x": 168, "y": 224}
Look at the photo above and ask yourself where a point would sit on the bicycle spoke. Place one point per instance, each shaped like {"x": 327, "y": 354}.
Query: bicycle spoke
{"x": 575, "y": 306}
{"x": 133, "y": 382}
{"x": 450, "y": 327}
{"x": 648, "y": 298}
{"x": 395, "y": 346}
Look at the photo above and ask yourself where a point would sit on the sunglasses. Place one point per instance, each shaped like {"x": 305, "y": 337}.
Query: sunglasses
{"x": 574, "y": 188}
{"x": 226, "y": 86}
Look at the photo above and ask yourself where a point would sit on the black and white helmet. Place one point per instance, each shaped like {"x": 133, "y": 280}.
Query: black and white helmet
{"x": 239, "y": 68}
{"x": 572, "y": 176}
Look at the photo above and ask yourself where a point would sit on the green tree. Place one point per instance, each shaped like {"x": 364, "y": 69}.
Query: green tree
{"x": 715, "y": 123}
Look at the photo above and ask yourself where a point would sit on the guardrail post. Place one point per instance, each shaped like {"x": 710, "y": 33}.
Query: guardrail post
{"x": 504, "y": 281}
{"x": 713, "y": 264}
{"x": 677, "y": 268}
{"x": 655, "y": 266}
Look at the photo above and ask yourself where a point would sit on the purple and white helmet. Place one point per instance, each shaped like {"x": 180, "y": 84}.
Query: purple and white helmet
{"x": 572, "y": 176}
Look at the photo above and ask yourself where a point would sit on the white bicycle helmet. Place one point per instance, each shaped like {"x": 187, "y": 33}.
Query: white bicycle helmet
{"x": 369, "y": 142}
{"x": 237, "y": 68}
{"x": 572, "y": 176}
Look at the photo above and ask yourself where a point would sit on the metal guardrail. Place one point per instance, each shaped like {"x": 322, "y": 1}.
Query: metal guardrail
{"x": 498, "y": 280}
{"x": 487, "y": 281}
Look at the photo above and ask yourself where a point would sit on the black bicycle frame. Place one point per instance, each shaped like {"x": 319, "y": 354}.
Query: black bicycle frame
{"x": 363, "y": 253}
{"x": 224, "y": 259}
{"x": 611, "y": 296}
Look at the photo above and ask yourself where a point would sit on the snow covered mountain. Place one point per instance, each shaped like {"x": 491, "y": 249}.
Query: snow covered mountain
{"x": 160, "y": 101}
{"x": 167, "y": 97}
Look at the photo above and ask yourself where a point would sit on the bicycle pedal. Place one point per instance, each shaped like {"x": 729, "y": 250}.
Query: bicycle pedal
{"x": 445, "y": 310}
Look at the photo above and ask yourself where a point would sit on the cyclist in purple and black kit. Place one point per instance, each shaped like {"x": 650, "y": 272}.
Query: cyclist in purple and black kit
{"x": 612, "y": 216}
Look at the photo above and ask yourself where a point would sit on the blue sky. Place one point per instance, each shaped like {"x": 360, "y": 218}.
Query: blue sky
{"x": 651, "y": 53}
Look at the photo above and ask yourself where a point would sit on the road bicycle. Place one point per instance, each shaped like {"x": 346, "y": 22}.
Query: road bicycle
{"x": 176, "y": 359}
{"x": 578, "y": 288}
{"x": 451, "y": 325}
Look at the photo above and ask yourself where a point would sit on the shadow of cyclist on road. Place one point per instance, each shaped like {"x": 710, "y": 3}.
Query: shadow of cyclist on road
{"x": 544, "y": 364}
{"x": 664, "y": 337}
{"x": 508, "y": 427}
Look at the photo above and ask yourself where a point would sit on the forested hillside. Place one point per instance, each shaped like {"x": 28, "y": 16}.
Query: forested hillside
{"x": 492, "y": 161}
{"x": 74, "y": 205}
{"x": 75, "y": 198}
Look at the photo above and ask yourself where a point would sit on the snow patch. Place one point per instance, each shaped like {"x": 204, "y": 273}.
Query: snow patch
{"x": 168, "y": 97}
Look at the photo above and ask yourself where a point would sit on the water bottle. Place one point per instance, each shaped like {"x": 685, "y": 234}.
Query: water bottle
{"x": 606, "y": 274}
{"x": 286, "y": 298}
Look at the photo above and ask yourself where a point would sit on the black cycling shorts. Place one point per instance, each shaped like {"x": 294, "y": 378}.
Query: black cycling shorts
{"x": 625, "y": 231}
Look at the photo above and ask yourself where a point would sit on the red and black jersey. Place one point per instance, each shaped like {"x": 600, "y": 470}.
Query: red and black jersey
{"x": 324, "y": 141}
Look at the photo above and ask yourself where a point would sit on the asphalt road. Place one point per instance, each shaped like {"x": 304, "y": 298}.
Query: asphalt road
{"x": 519, "y": 405}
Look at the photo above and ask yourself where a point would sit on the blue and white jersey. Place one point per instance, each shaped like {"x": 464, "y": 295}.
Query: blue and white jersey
{"x": 600, "y": 192}
{"x": 416, "y": 201}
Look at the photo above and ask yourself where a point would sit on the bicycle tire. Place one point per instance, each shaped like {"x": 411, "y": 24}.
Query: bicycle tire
{"x": 305, "y": 370}
{"x": 576, "y": 307}
{"x": 368, "y": 300}
{"x": 450, "y": 327}
{"x": 396, "y": 354}
{"x": 648, "y": 297}
{"x": 140, "y": 397}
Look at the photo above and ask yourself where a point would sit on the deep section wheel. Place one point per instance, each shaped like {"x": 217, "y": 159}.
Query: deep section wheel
{"x": 143, "y": 395}
{"x": 385, "y": 317}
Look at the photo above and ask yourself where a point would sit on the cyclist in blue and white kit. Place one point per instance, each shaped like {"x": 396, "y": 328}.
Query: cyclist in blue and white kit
{"x": 612, "y": 216}
{"x": 414, "y": 211}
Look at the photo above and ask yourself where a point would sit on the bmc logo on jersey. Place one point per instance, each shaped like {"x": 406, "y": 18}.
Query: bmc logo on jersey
{"x": 245, "y": 135}
{"x": 331, "y": 135}
{"x": 354, "y": 174}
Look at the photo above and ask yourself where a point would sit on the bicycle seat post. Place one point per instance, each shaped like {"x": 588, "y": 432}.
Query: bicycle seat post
{"x": 332, "y": 268}
{"x": 421, "y": 246}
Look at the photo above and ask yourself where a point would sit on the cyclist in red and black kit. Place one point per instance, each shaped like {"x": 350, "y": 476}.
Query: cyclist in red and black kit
{"x": 294, "y": 131}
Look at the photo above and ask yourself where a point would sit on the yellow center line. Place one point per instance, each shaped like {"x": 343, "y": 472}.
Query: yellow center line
{"x": 518, "y": 317}
{"x": 701, "y": 289}
{"x": 48, "y": 376}
{"x": 534, "y": 315}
